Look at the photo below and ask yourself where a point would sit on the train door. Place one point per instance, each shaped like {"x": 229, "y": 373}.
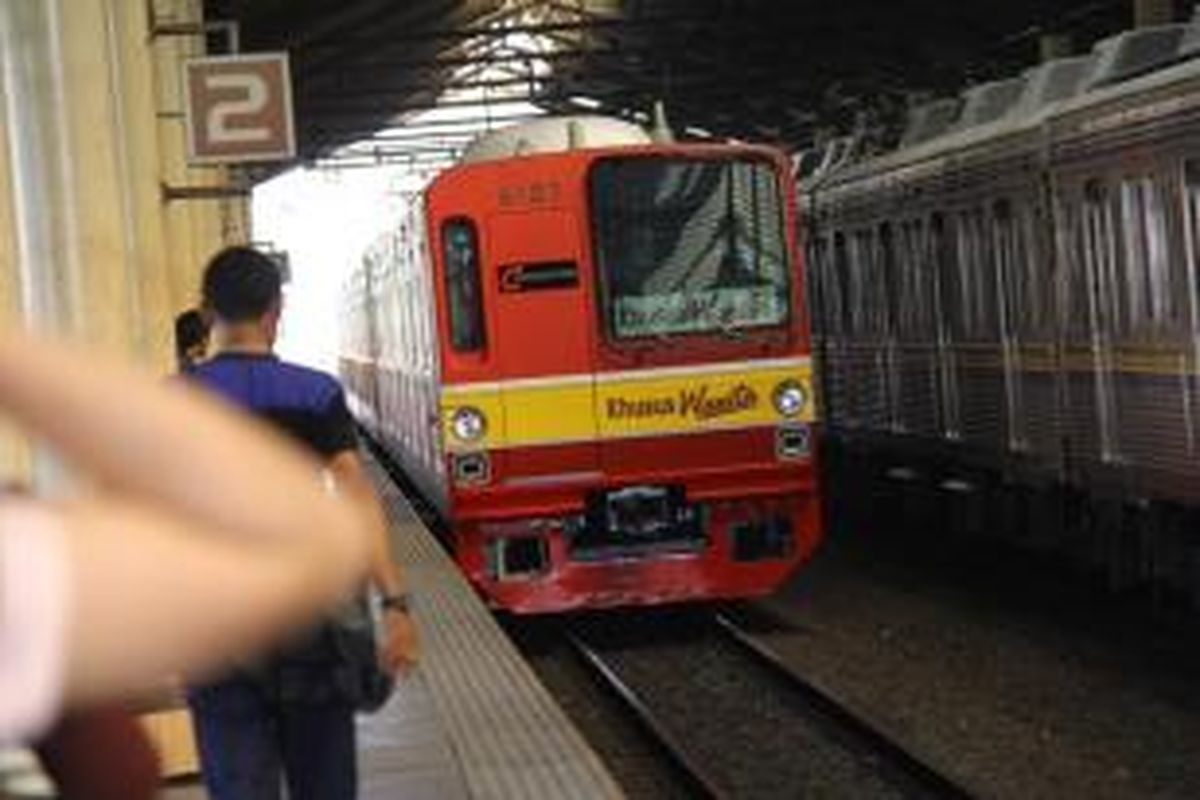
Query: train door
{"x": 544, "y": 349}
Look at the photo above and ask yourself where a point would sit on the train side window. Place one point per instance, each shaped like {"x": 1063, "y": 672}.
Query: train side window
{"x": 860, "y": 297}
{"x": 978, "y": 287}
{"x": 884, "y": 284}
{"x": 1023, "y": 300}
{"x": 906, "y": 324}
{"x": 914, "y": 320}
{"x": 1067, "y": 241}
{"x": 946, "y": 274}
{"x": 1004, "y": 248}
{"x": 1036, "y": 286}
{"x": 1191, "y": 188}
{"x": 839, "y": 287}
{"x": 817, "y": 272}
{"x": 965, "y": 252}
{"x": 1163, "y": 304}
{"x": 1150, "y": 305}
{"x": 1134, "y": 296}
{"x": 1098, "y": 237}
{"x": 464, "y": 295}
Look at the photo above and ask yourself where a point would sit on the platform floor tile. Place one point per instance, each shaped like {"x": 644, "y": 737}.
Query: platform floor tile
{"x": 509, "y": 737}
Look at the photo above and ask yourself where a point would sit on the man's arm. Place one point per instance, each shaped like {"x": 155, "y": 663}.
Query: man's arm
{"x": 400, "y": 647}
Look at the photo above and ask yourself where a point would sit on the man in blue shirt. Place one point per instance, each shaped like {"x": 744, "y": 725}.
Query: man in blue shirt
{"x": 288, "y": 715}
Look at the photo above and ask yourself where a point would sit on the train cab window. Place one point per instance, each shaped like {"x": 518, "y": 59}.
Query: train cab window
{"x": 464, "y": 295}
{"x": 689, "y": 245}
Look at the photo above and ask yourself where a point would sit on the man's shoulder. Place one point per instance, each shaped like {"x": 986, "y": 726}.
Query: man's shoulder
{"x": 273, "y": 379}
{"x": 203, "y": 371}
{"x": 308, "y": 376}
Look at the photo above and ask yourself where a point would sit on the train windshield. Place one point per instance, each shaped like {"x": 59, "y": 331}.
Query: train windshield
{"x": 690, "y": 245}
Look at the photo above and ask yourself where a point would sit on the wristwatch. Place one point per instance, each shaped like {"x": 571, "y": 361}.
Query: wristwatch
{"x": 395, "y": 602}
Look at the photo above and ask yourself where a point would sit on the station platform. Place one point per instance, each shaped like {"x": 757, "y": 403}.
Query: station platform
{"x": 471, "y": 722}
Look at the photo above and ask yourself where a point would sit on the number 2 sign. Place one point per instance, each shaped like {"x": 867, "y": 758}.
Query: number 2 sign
{"x": 239, "y": 108}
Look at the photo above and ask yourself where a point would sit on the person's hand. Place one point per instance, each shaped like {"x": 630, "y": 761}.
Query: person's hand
{"x": 401, "y": 647}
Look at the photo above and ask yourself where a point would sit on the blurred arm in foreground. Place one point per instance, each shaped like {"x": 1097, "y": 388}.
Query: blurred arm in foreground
{"x": 215, "y": 538}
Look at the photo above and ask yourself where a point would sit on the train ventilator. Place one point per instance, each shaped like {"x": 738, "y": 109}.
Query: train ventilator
{"x": 589, "y": 353}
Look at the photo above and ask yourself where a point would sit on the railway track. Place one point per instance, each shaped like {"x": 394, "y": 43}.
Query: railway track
{"x": 737, "y": 722}
{"x": 693, "y": 773}
{"x": 905, "y": 768}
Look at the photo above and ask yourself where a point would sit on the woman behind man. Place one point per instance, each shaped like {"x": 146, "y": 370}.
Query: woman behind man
{"x": 191, "y": 339}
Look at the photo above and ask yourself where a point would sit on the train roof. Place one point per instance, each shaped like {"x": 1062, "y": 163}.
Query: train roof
{"x": 555, "y": 135}
{"x": 1127, "y": 64}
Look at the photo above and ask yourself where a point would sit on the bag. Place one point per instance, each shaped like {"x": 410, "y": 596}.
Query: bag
{"x": 359, "y": 674}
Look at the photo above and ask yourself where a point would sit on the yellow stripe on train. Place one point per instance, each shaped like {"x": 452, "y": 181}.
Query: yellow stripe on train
{"x": 576, "y": 408}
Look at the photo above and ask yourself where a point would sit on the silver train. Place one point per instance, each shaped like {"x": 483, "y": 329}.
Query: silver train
{"x": 1007, "y": 307}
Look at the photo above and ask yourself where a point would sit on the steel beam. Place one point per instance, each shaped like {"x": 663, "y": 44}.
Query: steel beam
{"x": 532, "y": 29}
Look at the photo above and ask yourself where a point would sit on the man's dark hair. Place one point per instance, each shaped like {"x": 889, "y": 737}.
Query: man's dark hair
{"x": 241, "y": 284}
{"x": 191, "y": 329}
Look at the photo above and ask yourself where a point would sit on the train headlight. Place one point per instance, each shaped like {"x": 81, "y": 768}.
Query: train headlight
{"x": 468, "y": 424}
{"x": 790, "y": 398}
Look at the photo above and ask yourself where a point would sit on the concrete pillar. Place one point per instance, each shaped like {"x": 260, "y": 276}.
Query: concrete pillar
{"x": 1153, "y": 12}
{"x": 1055, "y": 45}
{"x": 84, "y": 154}
{"x": 44, "y": 208}
{"x": 107, "y": 267}
{"x": 141, "y": 158}
{"x": 15, "y": 452}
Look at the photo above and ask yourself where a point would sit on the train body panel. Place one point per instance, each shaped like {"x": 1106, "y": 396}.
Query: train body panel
{"x": 1056, "y": 247}
{"x": 622, "y": 403}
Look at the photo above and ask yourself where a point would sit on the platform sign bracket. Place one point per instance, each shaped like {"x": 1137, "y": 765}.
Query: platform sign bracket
{"x": 219, "y": 192}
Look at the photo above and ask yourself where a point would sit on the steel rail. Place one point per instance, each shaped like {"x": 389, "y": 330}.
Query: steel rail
{"x": 701, "y": 783}
{"x": 851, "y": 729}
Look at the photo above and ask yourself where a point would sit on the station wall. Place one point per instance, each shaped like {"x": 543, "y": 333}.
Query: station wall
{"x": 91, "y": 130}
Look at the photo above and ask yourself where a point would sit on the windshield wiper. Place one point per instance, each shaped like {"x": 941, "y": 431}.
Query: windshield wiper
{"x": 667, "y": 338}
{"x": 730, "y": 331}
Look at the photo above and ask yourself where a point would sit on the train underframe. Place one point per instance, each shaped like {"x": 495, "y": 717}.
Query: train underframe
{"x": 639, "y": 545}
{"x": 1133, "y": 541}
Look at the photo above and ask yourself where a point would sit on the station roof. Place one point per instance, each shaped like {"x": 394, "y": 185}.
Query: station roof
{"x": 768, "y": 70}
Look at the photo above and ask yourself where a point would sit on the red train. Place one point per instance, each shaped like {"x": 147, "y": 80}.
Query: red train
{"x": 590, "y": 353}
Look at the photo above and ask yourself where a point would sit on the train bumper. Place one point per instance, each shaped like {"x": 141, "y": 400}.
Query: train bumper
{"x": 722, "y": 550}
